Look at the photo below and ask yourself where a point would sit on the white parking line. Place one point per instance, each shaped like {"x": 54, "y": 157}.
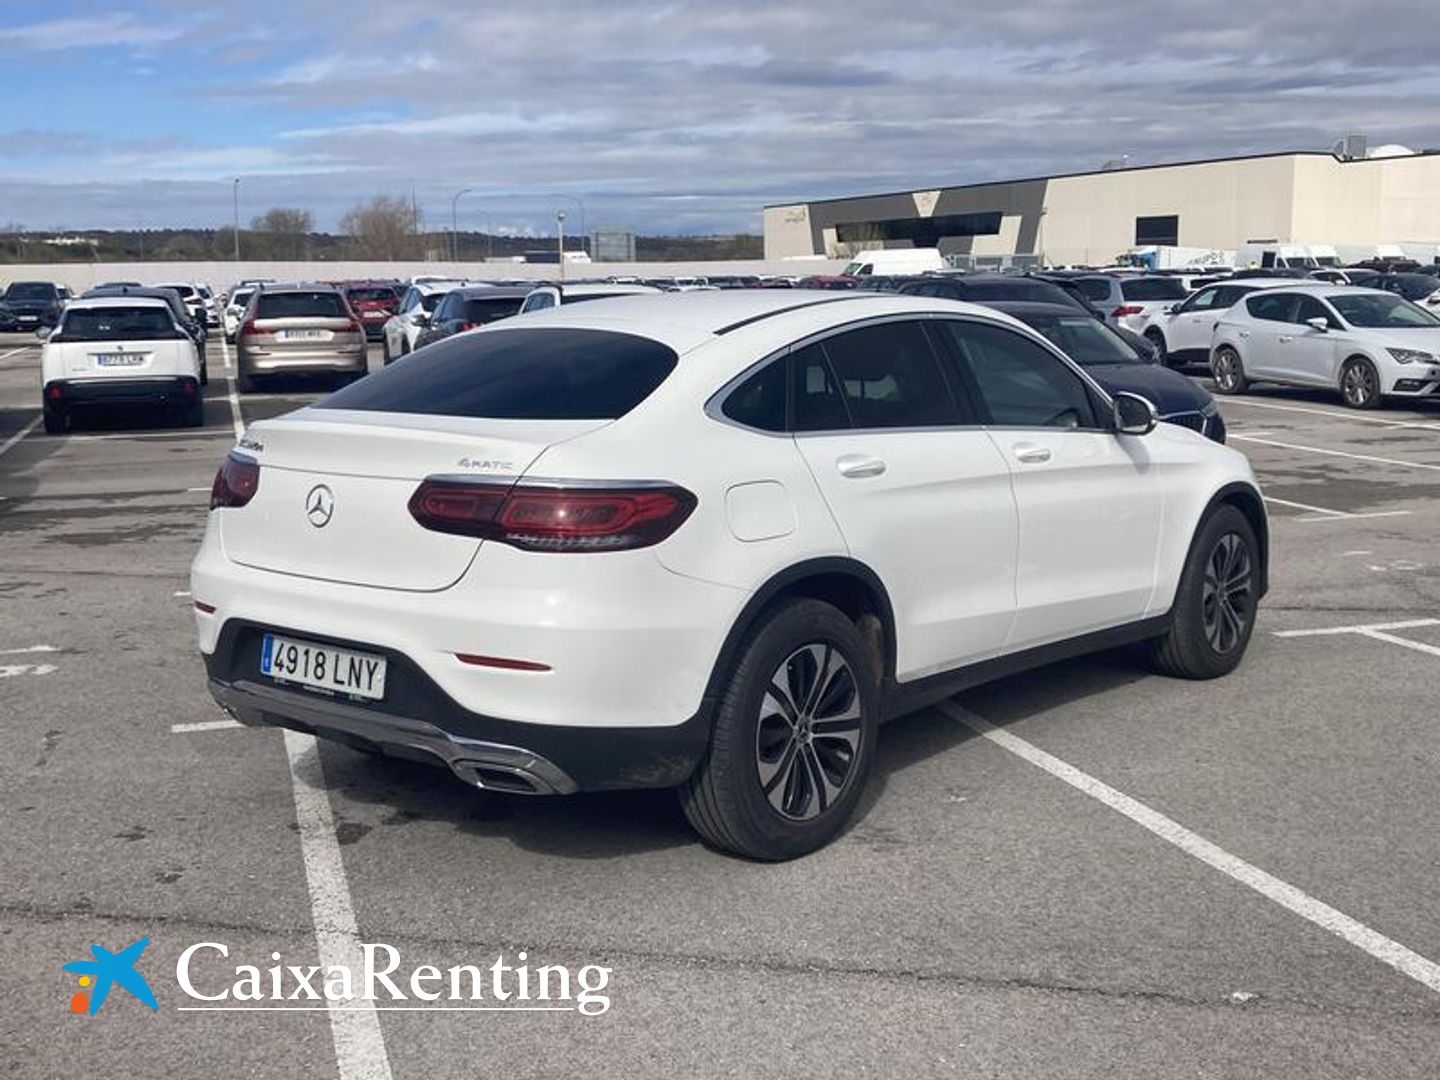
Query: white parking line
{"x": 1421, "y": 425}
{"x": 28, "y": 649}
{"x": 1337, "y": 453}
{"x": 359, "y": 1042}
{"x": 235, "y": 418}
{"x": 1408, "y": 624}
{"x": 1333, "y": 515}
{"x": 15, "y": 352}
{"x": 1404, "y": 960}
{"x": 14, "y": 439}
{"x": 204, "y": 725}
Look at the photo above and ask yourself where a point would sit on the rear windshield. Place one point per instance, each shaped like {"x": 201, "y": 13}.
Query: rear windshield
{"x": 115, "y": 324}
{"x": 300, "y": 305}
{"x": 1094, "y": 288}
{"x": 1156, "y": 288}
{"x": 183, "y": 290}
{"x": 378, "y": 293}
{"x": 538, "y": 374}
{"x": 30, "y": 290}
{"x": 482, "y": 310}
{"x": 432, "y": 301}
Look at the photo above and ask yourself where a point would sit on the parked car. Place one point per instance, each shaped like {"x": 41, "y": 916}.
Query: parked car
{"x": 1128, "y": 301}
{"x": 401, "y": 331}
{"x": 469, "y": 307}
{"x": 1419, "y": 288}
{"x": 178, "y": 310}
{"x": 301, "y": 329}
{"x": 30, "y": 305}
{"x": 1117, "y": 365}
{"x": 549, "y": 296}
{"x": 1180, "y": 333}
{"x": 235, "y": 305}
{"x": 119, "y": 349}
{"x": 1347, "y": 275}
{"x": 966, "y": 502}
{"x": 212, "y": 309}
{"x": 374, "y": 303}
{"x": 191, "y": 297}
{"x": 1368, "y": 344}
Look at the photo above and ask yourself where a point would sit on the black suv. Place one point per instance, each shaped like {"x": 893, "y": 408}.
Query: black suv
{"x": 471, "y": 306}
{"x": 29, "y": 305}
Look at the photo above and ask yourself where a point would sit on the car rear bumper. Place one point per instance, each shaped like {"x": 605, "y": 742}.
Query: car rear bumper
{"x": 120, "y": 390}
{"x": 254, "y": 362}
{"x": 419, "y": 721}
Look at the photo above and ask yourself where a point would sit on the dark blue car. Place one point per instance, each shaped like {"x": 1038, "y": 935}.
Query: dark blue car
{"x": 1116, "y": 365}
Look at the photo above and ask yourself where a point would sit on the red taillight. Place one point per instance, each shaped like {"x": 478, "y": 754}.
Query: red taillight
{"x": 1127, "y": 309}
{"x": 561, "y": 519}
{"x": 249, "y": 327}
{"x": 236, "y": 482}
{"x": 468, "y": 326}
{"x": 55, "y": 391}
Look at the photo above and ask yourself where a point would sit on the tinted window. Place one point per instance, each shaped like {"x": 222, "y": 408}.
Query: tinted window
{"x": 300, "y": 305}
{"x": 430, "y": 302}
{"x": 759, "y": 401}
{"x": 538, "y": 302}
{"x": 184, "y": 291}
{"x": 890, "y": 377}
{"x": 1020, "y": 383}
{"x": 1163, "y": 230}
{"x": 30, "y": 290}
{"x": 479, "y": 309}
{"x": 116, "y": 324}
{"x": 1311, "y": 308}
{"x": 376, "y": 293}
{"x": 543, "y": 374}
{"x": 1095, "y": 288}
{"x": 1271, "y": 306}
{"x": 1152, "y": 288}
{"x": 1204, "y": 300}
{"x": 1227, "y": 296}
{"x": 1085, "y": 340}
{"x": 1376, "y": 310}
{"x": 818, "y": 405}
{"x": 241, "y": 297}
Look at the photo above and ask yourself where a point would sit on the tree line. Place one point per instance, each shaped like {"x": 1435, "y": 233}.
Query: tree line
{"x": 383, "y": 229}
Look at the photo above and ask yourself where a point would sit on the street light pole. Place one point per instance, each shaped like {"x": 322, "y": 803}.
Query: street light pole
{"x": 235, "y": 195}
{"x": 581, "y": 207}
{"x": 560, "y": 232}
{"x": 454, "y": 223}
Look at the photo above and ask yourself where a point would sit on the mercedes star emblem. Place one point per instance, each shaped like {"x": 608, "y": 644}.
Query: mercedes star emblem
{"x": 319, "y": 506}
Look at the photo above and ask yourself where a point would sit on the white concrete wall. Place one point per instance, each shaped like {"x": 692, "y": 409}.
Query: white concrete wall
{"x": 219, "y": 275}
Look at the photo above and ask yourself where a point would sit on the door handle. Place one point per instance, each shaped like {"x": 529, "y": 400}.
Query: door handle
{"x": 858, "y": 466}
{"x": 1030, "y": 454}
{"x": 1244, "y": 333}
{"x": 1283, "y": 338}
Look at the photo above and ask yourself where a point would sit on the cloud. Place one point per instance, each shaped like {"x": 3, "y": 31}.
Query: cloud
{"x": 732, "y": 105}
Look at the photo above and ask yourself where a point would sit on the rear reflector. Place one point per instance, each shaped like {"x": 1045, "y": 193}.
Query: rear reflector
{"x": 1127, "y": 309}
{"x": 563, "y": 518}
{"x": 501, "y": 662}
{"x": 236, "y": 482}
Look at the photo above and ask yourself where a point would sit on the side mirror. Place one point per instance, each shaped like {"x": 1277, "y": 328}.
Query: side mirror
{"x": 44, "y": 332}
{"x": 1319, "y": 323}
{"x": 1134, "y": 415}
{"x": 1174, "y": 309}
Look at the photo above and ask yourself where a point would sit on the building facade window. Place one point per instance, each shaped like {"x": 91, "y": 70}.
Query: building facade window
{"x": 922, "y": 232}
{"x": 1163, "y": 230}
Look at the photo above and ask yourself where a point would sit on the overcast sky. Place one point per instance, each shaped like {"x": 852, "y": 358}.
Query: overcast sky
{"x": 662, "y": 116}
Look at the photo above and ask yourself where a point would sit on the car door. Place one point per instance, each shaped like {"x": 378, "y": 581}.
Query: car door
{"x": 918, "y": 490}
{"x": 1312, "y": 356}
{"x": 1090, "y": 502}
{"x": 1188, "y": 330}
{"x": 1261, "y": 347}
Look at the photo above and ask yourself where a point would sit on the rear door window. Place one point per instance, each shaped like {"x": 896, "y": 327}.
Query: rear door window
{"x": 300, "y": 305}
{"x": 1149, "y": 289}
{"x": 1095, "y": 288}
{"x": 818, "y": 405}
{"x": 1271, "y": 306}
{"x": 540, "y": 374}
{"x": 480, "y": 309}
{"x": 890, "y": 377}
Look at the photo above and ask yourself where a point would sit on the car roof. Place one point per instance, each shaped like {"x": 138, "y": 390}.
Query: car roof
{"x": 108, "y": 300}
{"x": 590, "y": 288}
{"x": 298, "y": 286}
{"x": 686, "y": 320}
{"x": 1021, "y": 308}
{"x": 494, "y": 292}
{"x": 158, "y": 292}
{"x": 1325, "y": 288}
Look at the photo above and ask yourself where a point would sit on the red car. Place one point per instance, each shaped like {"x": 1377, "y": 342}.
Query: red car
{"x": 373, "y": 302}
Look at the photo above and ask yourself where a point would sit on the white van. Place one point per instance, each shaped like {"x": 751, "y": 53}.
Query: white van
{"x": 1267, "y": 255}
{"x": 895, "y": 261}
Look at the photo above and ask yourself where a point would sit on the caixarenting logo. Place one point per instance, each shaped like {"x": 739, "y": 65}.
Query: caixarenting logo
{"x": 106, "y": 970}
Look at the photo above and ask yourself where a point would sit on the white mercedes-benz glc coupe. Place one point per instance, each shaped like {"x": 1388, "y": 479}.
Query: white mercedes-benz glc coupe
{"x": 709, "y": 541}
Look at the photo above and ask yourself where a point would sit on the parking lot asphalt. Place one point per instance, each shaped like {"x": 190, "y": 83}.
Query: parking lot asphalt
{"x": 1089, "y": 871}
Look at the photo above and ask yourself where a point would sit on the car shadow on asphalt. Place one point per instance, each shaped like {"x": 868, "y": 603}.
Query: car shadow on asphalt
{"x": 615, "y": 824}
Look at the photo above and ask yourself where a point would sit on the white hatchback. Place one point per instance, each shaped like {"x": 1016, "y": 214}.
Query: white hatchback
{"x": 1366, "y": 343}
{"x": 709, "y": 541}
{"x": 119, "y": 350}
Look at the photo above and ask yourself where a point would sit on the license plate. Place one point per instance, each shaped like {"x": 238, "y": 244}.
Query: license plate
{"x": 322, "y": 667}
{"x": 302, "y": 335}
{"x": 119, "y": 359}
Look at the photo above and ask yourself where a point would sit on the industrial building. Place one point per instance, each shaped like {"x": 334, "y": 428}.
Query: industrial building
{"x": 1345, "y": 198}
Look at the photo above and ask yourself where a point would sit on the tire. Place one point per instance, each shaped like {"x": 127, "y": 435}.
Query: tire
{"x": 204, "y": 374}
{"x": 1228, "y": 371}
{"x": 1211, "y": 621}
{"x": 385, "y": 356}
{"x": 192, "y": 413}
{"x": 56, "y": 421}
{"x": 1162, "y": 354}
{"x": 244, "y": 384}
{"x": 1360, "y": 384}
{"x": 756, "y": 737}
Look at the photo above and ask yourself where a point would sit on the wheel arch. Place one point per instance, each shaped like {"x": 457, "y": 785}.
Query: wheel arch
{"x": 846, "y": 583}
{"x": 1248, "y": 500}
